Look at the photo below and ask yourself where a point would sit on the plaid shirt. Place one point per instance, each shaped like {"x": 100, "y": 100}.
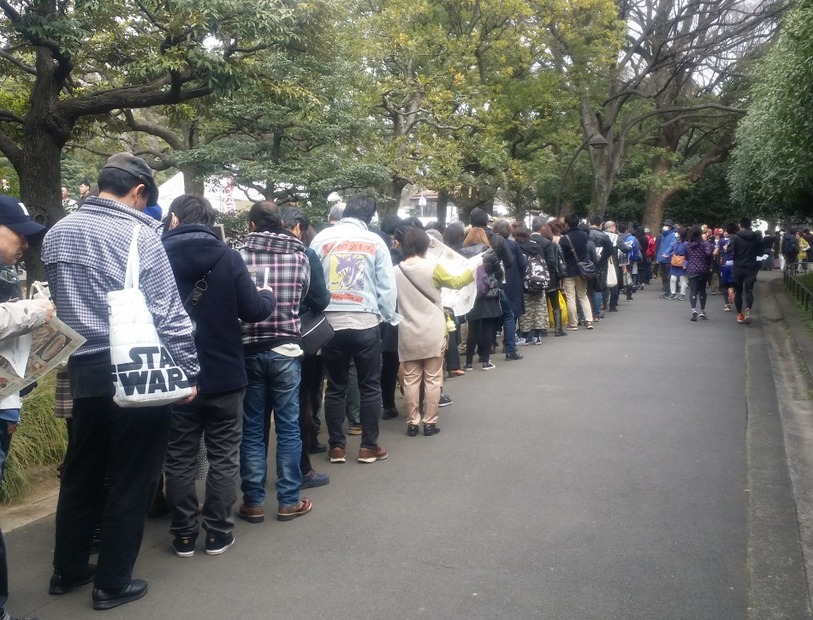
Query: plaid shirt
{"x": 85, "y": 256}
{"x": 289, "y": 274}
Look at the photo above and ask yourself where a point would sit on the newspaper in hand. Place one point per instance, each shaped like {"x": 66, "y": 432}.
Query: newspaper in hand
{"x": 26, "y": 358}
{"x": 462, "y": 300}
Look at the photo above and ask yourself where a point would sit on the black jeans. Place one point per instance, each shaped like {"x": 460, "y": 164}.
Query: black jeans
{"x": 389, "y": 378}
{"x": 363, "y": 346}
{"x": 5, "y": 443}
{"x": 311, "y": 374}
{"x": 481, "y": 332}
{"x": 697, "y": 288}
{"x": 744, "y": 281}
{"x": 127, "y": 448}
{"x": 219, "y": 418}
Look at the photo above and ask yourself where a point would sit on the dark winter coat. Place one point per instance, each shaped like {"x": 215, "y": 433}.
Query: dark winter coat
{"x": 514, "y": 276}
{"x": 745, "y": 245}
{"x": 580, "y": 242}
{"x": 231, "y": 296}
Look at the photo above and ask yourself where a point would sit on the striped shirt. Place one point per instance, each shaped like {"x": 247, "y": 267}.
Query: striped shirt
{"x": 85, "y": 257}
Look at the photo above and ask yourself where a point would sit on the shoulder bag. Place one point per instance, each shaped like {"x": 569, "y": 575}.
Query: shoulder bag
{"x": 586, "y": 267}
{"x": 144, "y": 373}
{"x": 315, "y": 331}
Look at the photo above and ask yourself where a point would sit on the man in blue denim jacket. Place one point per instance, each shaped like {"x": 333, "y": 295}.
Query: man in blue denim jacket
{"x": 360, "y": 279}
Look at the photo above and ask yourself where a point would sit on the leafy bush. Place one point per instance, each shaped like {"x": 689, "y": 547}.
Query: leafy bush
{"x": 40, "y": 440}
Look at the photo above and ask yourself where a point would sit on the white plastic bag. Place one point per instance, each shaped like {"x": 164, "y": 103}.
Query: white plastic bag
{"x": 144, "y": 373}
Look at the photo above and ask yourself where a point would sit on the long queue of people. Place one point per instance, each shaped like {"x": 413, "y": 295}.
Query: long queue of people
{"x": 235, "y": 322}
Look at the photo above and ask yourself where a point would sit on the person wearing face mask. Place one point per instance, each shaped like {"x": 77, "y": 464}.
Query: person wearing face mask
{"x": 666, "y": 247}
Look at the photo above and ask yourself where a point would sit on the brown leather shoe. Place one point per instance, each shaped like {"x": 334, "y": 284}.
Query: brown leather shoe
{"x": 286, "y": 513}
{"x": 371, "y": 455}
{"x": 252, "y": 514}
{"x": 336, "y": 455}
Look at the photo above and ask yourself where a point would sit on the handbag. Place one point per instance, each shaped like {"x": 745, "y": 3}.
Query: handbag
{"x": 488, "y": 287}
{"x": 678, "y": 260}
{"x": 144, "y": 373}
{"x": 612, "y": 275}
{"x": 315, "y": 330}
{"x": 561, "y": 265}
{"x": 587, "y": 268}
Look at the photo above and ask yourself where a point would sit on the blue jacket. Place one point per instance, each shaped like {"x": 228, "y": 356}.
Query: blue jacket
{"x": 358, "y": 270}
{"x": 667, "y": 246}
{"x": 231, "y": 296}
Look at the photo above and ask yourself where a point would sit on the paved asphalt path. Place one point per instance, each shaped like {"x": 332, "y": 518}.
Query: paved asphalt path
{"x": 604, "y": 476}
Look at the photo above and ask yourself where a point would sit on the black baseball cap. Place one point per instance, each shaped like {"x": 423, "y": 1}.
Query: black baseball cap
{"x": 14, "y": 215}
{"x": 139, "y": 169}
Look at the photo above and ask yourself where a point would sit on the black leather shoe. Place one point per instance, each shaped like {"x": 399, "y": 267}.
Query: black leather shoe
{"x": 513, "y": 356}
{"x": 389, "y": 413}
{"x": 108, "y": 599}
{"x": 317, "y": 448}
{"x": 62, "y": 584}
{"x": 412, "y": 430}
{"x": 430, "y": 429}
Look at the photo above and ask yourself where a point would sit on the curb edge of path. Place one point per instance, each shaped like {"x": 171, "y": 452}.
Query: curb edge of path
{"x": 778, "y": 582}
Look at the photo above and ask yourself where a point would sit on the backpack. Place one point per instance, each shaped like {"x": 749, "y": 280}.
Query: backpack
{"x": 635, "y": 253}
{"x": 537, "y": 276}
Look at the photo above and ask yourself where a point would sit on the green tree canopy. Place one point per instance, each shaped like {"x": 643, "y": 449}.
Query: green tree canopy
{"x": 772, "y": 169}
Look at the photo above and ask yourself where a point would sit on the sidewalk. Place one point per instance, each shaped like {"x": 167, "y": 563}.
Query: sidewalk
{"x": 619, "y": 473}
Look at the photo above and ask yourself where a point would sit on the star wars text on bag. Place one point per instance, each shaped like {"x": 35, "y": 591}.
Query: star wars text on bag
{"x": 144, "y": 373}
{"x": 151, "y": 370}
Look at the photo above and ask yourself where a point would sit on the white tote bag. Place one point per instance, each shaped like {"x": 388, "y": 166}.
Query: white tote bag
{"x": 612, "y": 274}
{"x": 144, "y": 373}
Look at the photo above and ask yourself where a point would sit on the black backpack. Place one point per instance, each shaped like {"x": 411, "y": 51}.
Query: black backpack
{"x": 537, "y": 276}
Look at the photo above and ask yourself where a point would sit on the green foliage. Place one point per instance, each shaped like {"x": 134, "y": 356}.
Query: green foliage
{"x": 40, "y": 440}
{"x": 773, "y": 160}
{"x": 235, "y": 225}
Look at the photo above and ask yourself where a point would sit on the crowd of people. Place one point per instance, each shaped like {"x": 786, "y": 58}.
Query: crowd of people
{"x": 239, "y": 323}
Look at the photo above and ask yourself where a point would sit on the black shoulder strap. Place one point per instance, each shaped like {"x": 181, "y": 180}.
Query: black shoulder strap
{"x": 201, "y": 286}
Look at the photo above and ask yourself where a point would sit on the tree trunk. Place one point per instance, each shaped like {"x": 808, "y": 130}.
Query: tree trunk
{"x": 40, "y": 190}
{"x": 604, "y": 162}
{"x": 192, "y": 181}
{"x": 657, "y": 197}
{"x": 391, "y": 192}
{"x": 39, "y": 166}
{"x": 443, "y": 203}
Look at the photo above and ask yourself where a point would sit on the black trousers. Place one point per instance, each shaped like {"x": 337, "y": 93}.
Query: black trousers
{"x": 481, "y": 333}
{"x": 744, "y": 281}
{"x": 219, "y": 418}
{"x": 363, "y": 346}
{"x": 311, "y": 375}
{"x": 127, "y": 448}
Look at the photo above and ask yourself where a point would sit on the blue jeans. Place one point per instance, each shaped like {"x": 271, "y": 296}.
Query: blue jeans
{"x": 273, "y": 383}
{"x": 509, "y": 334}
{"x": 5, "y": 442}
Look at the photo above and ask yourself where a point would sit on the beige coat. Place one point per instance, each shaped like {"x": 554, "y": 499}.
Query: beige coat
{"x": 422, "y": 330}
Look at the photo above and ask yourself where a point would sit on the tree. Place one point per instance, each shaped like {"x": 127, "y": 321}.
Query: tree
{"x": 70, "y": 60}
{"x": 664, "y": 90}
{"x": 772, "y": 168}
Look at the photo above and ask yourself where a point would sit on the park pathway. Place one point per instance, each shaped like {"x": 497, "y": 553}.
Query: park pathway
{"x": 605, "y": 476}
